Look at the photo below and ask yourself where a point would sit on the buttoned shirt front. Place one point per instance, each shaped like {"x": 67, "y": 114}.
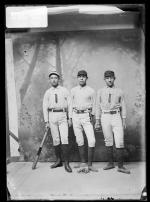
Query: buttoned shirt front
{"x": 110, "y": 99}
{"x": 83, "y": 98}
{"x": 57, "y": 98}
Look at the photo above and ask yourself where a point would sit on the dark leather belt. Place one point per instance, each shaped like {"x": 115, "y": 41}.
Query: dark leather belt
{"x": 81, "y": 111}
{"x": 111, "y": 112}
{"x": 57, "y": 110}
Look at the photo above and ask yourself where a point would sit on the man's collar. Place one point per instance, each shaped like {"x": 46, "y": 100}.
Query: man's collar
{"x": 53, "y": 88}
{"x": 110, "y": 87}
{"x": 82, "y": 86}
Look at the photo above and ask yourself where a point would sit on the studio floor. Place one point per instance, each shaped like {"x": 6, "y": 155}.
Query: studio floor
{"x": 56, "y": 184}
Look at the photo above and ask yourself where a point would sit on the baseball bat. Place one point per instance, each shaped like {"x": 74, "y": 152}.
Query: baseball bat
{"x": 39, "y": 150}
{"x": 13, "y": 136}
{"x": 20, "y": 149}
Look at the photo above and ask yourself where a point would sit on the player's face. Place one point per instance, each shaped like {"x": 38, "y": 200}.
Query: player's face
{"x": 82, "y": 80}
{"x": 110, "y": 81}
{"x": 54, "y": 80}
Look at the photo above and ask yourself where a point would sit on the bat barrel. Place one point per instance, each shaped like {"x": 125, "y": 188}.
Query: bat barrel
{"x": 39, "y": 151}
{"x": 35, "y": 162}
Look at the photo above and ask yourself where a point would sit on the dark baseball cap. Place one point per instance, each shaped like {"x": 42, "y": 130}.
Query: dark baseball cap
{"x": 82, "y": 73}
{"x": 109, "y": 73}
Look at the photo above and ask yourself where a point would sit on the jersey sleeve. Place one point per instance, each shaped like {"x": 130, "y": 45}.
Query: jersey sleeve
{"x": 69, "y": 103}
{"x": 123, "y": 105}
{"x": 98, "y": 106}
{"x": 45, "y": 107}
{"x": 93, "y": 102}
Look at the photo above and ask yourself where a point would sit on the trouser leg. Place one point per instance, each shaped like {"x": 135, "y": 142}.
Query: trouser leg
{"x": 89, "y": 131}
{"x": 63, "y": 130}
{"x": 119, "y": 141}
{"x": 65, "y": 149}
{"x": 55, "y": 134}
{"x": 56, "y": 141}
{"x": 78, "y": 131}
{"x": 108, "y": 138}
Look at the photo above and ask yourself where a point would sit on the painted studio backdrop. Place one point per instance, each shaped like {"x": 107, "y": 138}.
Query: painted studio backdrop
{"x": 29, "y": 59}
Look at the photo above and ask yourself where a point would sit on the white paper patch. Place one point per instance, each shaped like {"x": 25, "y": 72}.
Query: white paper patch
{"x": 26, "y": 17}
{"x": 12, "y": 102}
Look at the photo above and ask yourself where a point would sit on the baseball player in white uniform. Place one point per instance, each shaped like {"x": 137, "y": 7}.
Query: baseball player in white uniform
{"x": 111, "y": 110}
{"x": 56, "y": 110}
{"x": 83, "y": 109}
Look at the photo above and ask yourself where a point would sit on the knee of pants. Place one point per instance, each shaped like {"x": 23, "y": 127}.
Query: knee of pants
{"x": 78, "y": 134}
{"x": 64, "y": 140}
{"x": 63, "y": 131}
{"x": 119, "y": 144}
{"x": 80, "y": 141}
{"x": 56, "y": 142}
{"x": 91, "y": 143}
{"x": 119, "y": 137}
{"x": 108, "y": 142}
{"x": 108, "y": 139}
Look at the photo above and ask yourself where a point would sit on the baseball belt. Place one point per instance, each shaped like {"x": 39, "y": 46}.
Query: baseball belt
{"x": 111, "y": 112}
{"x": 57, "y": 110}
{"x": 81, "y": 111}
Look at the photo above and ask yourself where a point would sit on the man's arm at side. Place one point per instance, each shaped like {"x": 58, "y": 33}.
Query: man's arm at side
{"x": 98, "y": 110}
{"x": 45, "y": 109}
{"x": 123, "y": 110}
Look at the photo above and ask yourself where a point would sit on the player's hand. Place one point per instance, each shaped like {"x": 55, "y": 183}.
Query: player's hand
{"x": 124, "y": 123}
{"x": 47, "y": 125}
{"x": 92, "y": 118}
{"x": 70, "y": 122}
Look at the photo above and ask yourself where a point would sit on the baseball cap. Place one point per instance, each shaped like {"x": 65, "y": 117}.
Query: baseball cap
{"x": 54, "y": 72}
{"x": 109, "y": 73}
{"x": 82, "y": 72}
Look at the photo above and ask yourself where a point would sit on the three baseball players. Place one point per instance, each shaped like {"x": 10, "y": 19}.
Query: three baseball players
{"x": 79, "y": 108}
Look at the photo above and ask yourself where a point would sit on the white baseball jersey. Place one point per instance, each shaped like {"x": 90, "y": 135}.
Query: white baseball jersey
{"x": 110, "y": 99}
{"x": 58, "y": 97}
{"x": 83, "y": 98}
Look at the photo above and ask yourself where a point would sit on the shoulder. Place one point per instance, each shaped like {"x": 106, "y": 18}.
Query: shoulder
{"x": 47, "y": 92}
{"x": 119, "y": 90}
{"x": 64, "y": 89}
{"x": 90, "y": 89}
{"x": 100, "y": 90}
{"x": 74, "y": 89}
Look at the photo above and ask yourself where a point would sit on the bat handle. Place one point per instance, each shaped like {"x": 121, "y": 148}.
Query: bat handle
{"x": 44, "y": 137}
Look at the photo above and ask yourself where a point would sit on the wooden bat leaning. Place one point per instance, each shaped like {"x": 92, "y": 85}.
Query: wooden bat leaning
{"x": 39, "y": 150}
